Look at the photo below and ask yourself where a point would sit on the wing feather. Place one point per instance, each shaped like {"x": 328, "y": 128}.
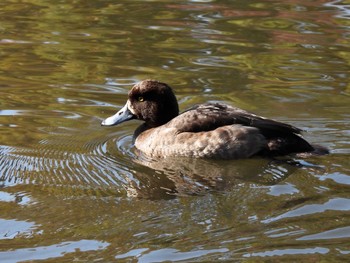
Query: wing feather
{"x": 209, "y": 116}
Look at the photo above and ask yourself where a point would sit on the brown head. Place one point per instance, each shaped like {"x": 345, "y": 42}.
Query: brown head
{"x": 149, "y": 100}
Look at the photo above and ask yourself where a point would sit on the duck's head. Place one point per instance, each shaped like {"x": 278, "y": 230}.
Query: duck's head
{"x": 149, "y": 100}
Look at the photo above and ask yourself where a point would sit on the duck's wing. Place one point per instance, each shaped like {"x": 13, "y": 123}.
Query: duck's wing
{"x": 210, "y": 116}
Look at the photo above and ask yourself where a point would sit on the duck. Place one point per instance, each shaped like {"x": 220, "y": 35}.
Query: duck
{"x": 211, "y": 130}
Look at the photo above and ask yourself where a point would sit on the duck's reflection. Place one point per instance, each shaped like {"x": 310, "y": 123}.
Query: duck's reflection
{"x": 171, "y": 177}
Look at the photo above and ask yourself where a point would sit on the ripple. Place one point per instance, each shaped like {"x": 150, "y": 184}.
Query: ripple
{"x": 121, "y": 81}
{"x": 337, "y": 204}
{"x": 52, "y": 251}
{"x": 289, "y": 251}
{"x": 342, "y": 232}
{"x": 168, "y": 254}
{"x": 82, "y": 160}
{"x": 165, "y": 28}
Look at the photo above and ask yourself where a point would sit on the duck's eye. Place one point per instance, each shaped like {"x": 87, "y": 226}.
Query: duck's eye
{"x": 140, "y": 98}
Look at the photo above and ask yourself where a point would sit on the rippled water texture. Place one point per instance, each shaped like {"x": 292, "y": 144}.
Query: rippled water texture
{"x": 71, "y": 190}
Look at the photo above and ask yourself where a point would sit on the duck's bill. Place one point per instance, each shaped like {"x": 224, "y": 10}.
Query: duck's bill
{"x": 123, "y": 115}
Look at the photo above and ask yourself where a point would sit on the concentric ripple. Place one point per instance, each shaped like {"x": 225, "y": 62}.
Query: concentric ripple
{"x": 70, "y": 159}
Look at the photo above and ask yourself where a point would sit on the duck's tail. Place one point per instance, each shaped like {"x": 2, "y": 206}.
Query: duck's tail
{"x": 320, "y": 150}
{"x": 317, "y": 150}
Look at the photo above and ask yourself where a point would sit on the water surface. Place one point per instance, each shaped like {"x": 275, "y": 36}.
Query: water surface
{"x": 73, "y": 190}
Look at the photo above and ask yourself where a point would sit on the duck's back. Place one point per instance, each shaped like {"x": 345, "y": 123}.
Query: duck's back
{"x": 216, "y": 130}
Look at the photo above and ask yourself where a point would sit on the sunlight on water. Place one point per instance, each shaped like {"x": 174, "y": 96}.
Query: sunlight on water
{"x": 53, "y": 251}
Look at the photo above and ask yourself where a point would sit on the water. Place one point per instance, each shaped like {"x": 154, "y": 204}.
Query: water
{"x": 71, "y": 190}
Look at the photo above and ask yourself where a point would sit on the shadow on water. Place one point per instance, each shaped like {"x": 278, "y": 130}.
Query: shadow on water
{"x": 180, "y": 176}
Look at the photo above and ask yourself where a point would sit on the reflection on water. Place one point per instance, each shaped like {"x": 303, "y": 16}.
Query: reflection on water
{"x": 165, "y": 254}
{"x": 172, "y": 177}
{"x": 68, "y": 187}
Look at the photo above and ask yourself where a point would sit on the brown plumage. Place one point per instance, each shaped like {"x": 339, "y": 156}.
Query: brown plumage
{"x": 210, "y": 130}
